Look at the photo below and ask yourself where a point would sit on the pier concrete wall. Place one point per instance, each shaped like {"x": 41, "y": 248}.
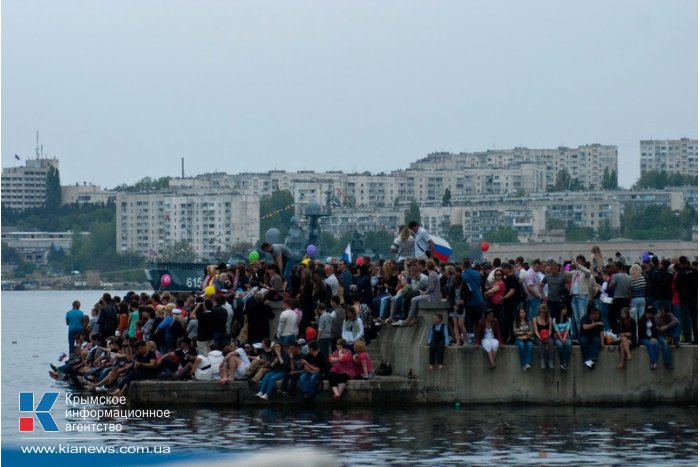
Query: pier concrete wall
{"x": 467, "y": 378}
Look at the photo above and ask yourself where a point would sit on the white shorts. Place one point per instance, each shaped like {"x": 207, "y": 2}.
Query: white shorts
{"x": 240, "y": 371}
{"x": 489, "y": 345}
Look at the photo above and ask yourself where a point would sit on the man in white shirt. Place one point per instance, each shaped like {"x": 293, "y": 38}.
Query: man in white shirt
{"x": 424, "y": 243}
{"x": 533, "y": 287}
{"x": 288, "y": 327}
{"x": 331, "y": 280}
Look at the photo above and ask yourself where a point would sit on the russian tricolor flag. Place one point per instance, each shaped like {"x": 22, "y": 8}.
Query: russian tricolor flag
{"x": 347, "y": 254}
{"x": 442, "y": 249}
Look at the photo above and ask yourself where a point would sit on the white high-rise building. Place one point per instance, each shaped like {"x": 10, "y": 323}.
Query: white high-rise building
{"x": 670, "y": 155}
{"x": 149, "y": 223}
{"x": 25, "y": 187}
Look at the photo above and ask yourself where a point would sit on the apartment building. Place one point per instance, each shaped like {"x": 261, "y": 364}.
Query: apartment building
{"x": 24, "y": 187}
{"x": 671, "y": 155}
{"x": 148, "y": 223}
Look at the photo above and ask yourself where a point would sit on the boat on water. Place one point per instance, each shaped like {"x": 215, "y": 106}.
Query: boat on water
{"x": 184, "y": 277}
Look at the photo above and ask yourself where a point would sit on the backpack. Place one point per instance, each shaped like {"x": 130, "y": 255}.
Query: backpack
{"x": 384, "y": 369}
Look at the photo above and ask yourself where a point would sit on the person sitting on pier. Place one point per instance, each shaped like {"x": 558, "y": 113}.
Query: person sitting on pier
{"x": 488, "y": 335}
{"x": 353, "y": 328}
{"x": 363, "y": 361}
{"x": 279, "y": 366}
{"x": 171, "y": 361}
{"x": 591, "y": 336}
{"x": 562, "y": 336}
{"x": 438, "y": 338}
{"x": 523, "y": 338}
{"x": 542, "y": 324}
{"x": 144, "y": 367}
{"x": 342, "y": 369}
{"x": 431, "y": 293}
{"x": 315, "y": 365}
{"x": 235, "y": 363}
{"x": 666, "y": 324}
{"x": 628, "y": 336}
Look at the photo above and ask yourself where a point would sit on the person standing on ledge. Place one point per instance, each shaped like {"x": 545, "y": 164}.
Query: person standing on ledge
{"x": 74, "y": 321}
{"x": 424, "y": 244}
{"x": 281, "y": 256}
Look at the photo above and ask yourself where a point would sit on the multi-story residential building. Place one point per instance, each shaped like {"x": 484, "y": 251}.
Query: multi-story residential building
{"x": 585, "y": 163}
{"x": 670, "y": 155}
{"x": 210, "y": 221}
{"x": 25, "y": 187}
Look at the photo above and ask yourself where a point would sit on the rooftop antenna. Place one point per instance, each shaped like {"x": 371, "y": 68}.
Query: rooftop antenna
{"x": 183, "y": 167}
{"x": 36, "y": 150}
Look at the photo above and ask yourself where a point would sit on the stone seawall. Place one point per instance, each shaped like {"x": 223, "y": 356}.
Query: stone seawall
{"x": 467, "y": 378}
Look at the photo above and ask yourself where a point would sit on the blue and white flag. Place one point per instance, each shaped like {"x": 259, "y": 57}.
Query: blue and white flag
{"x": 347, "y": 254}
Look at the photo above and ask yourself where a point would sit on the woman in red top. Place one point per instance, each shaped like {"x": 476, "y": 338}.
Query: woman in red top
{"x": 363, "y": 361}
{"x": 342, "y": 369}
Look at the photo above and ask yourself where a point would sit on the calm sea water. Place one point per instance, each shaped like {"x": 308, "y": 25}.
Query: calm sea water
{"x": 34, "y": 335}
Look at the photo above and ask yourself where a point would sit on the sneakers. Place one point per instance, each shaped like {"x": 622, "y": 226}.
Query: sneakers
{"x": 263, "y": 397}
{"x": 398, "y": 323}
{"x": 101, "y": 389}
{"x": 550, "y": 365}
{"x": 527, "y": 367}
{"x": 589, "y": 364}
{"x": 62, "y": 357}
{"x": 563, "y": 367}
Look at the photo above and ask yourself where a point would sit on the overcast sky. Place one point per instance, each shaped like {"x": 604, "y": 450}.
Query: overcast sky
{"x": 122, "y": 89}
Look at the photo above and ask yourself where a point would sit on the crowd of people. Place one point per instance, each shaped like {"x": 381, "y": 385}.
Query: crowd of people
{"x": 332, "y": 310}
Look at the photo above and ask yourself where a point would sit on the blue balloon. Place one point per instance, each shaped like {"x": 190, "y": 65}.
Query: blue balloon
{"x": 311, "y": 250}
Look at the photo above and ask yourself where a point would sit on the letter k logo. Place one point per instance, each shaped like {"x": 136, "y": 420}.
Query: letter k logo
{"x": 26, "y": 404}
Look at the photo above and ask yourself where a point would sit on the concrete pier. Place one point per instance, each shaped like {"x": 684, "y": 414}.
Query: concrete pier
{"x": 466, "y": 378}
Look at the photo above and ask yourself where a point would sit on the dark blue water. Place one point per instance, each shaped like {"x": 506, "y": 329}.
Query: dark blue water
{"x": 34, "y": 334}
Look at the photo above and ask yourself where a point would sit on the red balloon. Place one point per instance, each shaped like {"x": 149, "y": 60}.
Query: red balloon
{"x": 360, "y": 261}
{"x": 485, "y": 246}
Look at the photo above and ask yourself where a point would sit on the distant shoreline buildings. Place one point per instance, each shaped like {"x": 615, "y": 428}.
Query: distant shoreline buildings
{"x": 478, "y": 191}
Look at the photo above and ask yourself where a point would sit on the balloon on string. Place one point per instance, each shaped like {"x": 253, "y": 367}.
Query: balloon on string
{"x": 485, "y": 246}
{"x": 253, "y": 256}
{"x": 645, "y": 257}
{"x": 166, "y": 280}
{"x": 567, "y": 267}
{"x": 210, "y": 290}
{"x": 311, "y": 250}
{"x": 360, "y": 261}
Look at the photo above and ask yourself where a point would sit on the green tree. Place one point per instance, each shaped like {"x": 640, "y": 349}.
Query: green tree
{"x": 609, "y": 179}
{"x": 412, "y": 213}
{"x": 379, "y": 241}
{"x": 564, "y": 182}
{"x": 502, "y": 234}
{"x": 657, "y": 223}
{"x": 53, "y": 189}
{"x": 275, "y": 212}
{"x": 146, "y": 184}
{"x": 605, "y": 231}
{"x": 447, "y": 197}
{"x": 455, "y": 233}
{"x": 660, "y": 179}
{"x": 579, "y": 234}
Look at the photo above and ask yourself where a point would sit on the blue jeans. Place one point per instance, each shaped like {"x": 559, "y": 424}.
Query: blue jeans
{"x": 564, "y": 349}
{"x": 309, "y": 382}
{"x": 532, "y": 305}
{"x": 384, "y": 303}
{"x": 579, "y": 303}
{"x": 286, "y": 340}
{"x": 267, "y": 385}
{"x": 72, "y": 333}
{"x": 525, "y": 351}
{"x": 652, "y": 349}
{"x": 590, "y": 346}
{"x": 398, "y": 307}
